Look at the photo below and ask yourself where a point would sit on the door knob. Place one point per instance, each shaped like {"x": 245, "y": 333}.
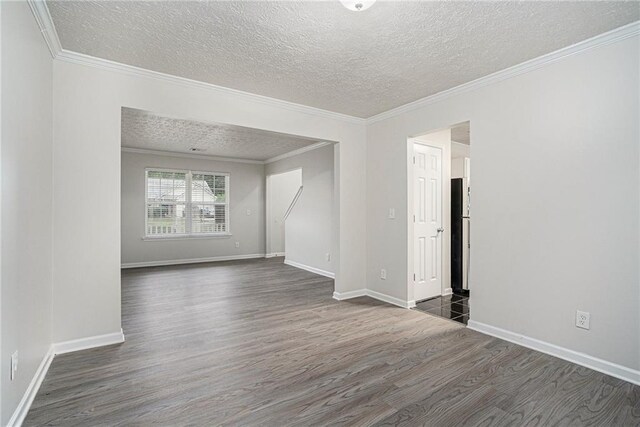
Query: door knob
{"x": 440, "y": 230}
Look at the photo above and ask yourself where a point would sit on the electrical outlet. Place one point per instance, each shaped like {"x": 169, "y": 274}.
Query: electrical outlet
{"x": 328, "y": 256}
{"x": 582, "y": 319}
{"x": 248, "y": 212}
{"x": 237, "y": 244}
{"x": 14, "y": 364}
{"x": 383, "y": 274}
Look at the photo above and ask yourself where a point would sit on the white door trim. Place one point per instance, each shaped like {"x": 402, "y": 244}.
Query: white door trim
{"x": 439, "y": 139}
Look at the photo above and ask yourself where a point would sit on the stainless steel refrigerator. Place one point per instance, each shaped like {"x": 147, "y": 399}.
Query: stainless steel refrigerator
{"x": 460, "y": 231}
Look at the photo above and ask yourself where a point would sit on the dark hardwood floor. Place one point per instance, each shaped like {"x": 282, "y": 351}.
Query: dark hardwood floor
{"x": 261, "y": 343}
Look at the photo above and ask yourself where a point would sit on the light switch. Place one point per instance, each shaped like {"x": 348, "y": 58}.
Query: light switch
{"x": 392, "y": 213}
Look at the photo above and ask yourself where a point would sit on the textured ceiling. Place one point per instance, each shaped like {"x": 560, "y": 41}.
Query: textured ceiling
{"x": 141, "y": 129}
{"x": 461, "y": 133}
{"x": 321, "y": 54}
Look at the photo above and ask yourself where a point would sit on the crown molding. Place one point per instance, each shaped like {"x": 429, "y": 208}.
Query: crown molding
{"x": 298, "y": 151}
{"x": 43, "y": 18}
{"x": 189, "y": 156}
{"x": 105, "y": 64}
{"x": 48, "y": 29}
{"x": 603, "y": 39}
{"x": 225, "y": 159}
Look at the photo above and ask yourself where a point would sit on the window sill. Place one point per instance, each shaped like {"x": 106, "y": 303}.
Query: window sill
{"x": 188, "y": 237}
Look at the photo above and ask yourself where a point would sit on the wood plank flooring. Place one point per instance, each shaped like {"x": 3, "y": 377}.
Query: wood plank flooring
{"x": 261, "y": 343}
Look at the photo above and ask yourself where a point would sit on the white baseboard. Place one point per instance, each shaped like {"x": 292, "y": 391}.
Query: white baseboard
{"x": 341, "y": 296}
{"x": 389, "y": 299}
{"x": 189, "y": 261}
{"x": 609, "y": 368}
{"x": 310, "y": 269}
{"x": 447, "y": 291}
{"x": 57, "y": 348}
{"x": 88, "y": 342}
{"x": 274, "y": 254}
{"x": 27, "y": 399}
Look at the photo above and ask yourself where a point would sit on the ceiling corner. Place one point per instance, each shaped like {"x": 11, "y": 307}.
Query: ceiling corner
{"x": 47, "y": 28}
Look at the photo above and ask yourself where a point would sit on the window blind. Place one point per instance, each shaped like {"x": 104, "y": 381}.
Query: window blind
{"x": 186, "y": 203}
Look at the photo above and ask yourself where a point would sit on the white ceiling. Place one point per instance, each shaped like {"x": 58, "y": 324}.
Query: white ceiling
{"x": 145, "y": 130}
{"x": 461, "y": 133}
{"x": 323, "y": 55}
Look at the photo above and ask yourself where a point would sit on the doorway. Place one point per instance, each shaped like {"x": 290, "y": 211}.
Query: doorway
{"x": 283, "y": 189}
{"x": 439, "y": 165}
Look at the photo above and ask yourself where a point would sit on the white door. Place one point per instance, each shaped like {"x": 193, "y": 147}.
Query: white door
{"x": 427, "y": 223}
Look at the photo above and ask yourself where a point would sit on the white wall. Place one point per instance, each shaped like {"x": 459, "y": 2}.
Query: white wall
{"x": 87, "y": 103}
{"x": 555, "y": 200}
{"x": 458, "y": 153}
{"x": 281, "y": 190}
{"x": 459, "y": 150}
{"x": 246, "y": 190}
{"x": 26, "y": 201}
{"x": 310, "y": 224}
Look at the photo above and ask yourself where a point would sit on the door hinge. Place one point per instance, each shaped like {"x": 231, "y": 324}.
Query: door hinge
{"x": 414, "y": 218}
{"x": 414, "y": 277}
{"x": 414, "y": 160}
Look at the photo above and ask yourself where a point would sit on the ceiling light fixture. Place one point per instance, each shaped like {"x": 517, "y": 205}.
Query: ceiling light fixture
{"x": 357, "y": 5}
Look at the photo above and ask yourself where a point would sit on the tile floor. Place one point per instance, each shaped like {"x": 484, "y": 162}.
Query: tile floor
{"x": 454, "y": 307}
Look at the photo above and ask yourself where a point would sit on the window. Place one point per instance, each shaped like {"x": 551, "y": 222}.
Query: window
{"x": 186, "y": 203}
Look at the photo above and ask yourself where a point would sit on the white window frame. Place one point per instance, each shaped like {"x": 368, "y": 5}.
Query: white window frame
{"x": 188, "y": 203}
